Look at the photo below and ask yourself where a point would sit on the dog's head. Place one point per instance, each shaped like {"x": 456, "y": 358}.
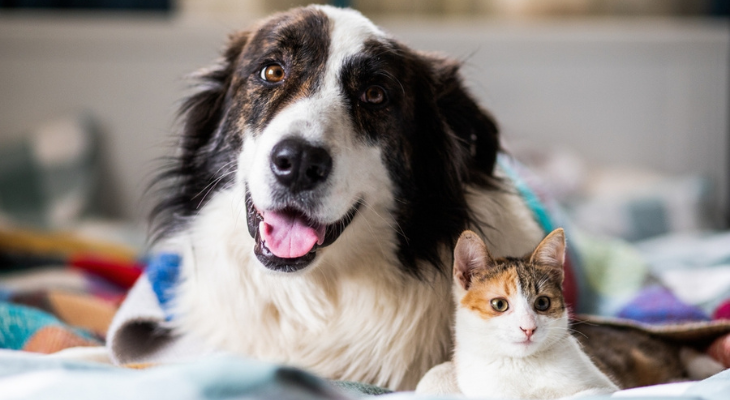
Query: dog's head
{"x": 315, "y": 115}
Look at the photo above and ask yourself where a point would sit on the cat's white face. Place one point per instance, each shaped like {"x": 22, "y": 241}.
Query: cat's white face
{"x": 519, "y": 331}
{"x": 509, "y": 306}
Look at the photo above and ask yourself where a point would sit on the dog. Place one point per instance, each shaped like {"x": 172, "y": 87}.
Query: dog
{"x": 324, "y": 173}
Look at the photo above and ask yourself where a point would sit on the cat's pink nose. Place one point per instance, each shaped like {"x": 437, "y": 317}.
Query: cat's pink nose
{"x": 528, "y": 332}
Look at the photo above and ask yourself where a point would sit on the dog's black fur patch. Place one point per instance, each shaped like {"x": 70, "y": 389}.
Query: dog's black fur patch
{"x": 436, "y": 140}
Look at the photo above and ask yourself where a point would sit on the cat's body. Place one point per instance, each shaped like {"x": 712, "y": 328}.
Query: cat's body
{"x": 511, "y": 334}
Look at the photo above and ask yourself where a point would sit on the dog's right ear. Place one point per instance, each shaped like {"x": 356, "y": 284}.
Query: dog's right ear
{"x": 203, "y": 111}
{"x": 470, "y": 255}
{"x": 193, "y": 170}
{"x": 236, "y": 42}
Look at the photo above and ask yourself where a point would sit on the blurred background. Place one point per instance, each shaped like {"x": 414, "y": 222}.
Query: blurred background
{"x": 621, "y": 106}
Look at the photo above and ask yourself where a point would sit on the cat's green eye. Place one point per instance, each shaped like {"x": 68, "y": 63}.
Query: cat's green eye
{"x": 542, "y": 303}
{"x": 500, "y": 305}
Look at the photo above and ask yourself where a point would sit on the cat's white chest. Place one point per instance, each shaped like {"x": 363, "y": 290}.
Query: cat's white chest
{"x": 562, "y": 371}
{"x": 508, "y": 380}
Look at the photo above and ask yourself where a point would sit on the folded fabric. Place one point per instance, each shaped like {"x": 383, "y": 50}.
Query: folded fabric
{"x": 60, "y": 290}
{"x": 225, "y": 377}
{"x": 656, "y": 304}
{"x": 29, "y": 329}
{"x": 48, "y": 309}
{"x": 27, "y": 376}
{"x": 614, "y": 273}
{"x": 695, "y": 267}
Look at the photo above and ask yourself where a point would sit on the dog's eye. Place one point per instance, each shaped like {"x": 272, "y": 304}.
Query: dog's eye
{"x": 374, "y": 95}
{"x": 273, "y": 73}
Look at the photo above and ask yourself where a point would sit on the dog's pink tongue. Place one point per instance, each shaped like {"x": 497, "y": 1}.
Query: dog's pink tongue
{"x": 288, "y": 235}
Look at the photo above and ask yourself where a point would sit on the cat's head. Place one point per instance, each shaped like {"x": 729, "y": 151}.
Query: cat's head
{"x": 509, "y": 306}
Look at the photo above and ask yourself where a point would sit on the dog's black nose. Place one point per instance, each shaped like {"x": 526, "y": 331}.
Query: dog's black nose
{"x": 299, "y": 165}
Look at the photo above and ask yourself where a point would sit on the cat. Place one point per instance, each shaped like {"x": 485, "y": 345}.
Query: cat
{"x": 511, "y": 333}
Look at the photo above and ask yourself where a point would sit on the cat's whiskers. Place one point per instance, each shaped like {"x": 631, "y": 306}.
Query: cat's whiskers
{"x": 582, "y": 322}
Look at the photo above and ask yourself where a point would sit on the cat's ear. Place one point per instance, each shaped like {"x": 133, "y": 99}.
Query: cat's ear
{"x": 470, "y": 254}
{"x": 551, "y": 251}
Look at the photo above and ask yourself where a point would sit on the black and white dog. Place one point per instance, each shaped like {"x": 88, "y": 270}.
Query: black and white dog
{"x": 324, "y": 174}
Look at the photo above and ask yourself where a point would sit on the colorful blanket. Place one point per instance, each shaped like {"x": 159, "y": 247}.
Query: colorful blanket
{"x": 59, "y": 291}
{"x": 27, "y": 376}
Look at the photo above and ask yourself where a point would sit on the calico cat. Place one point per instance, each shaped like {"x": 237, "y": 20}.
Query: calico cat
{"x": 511, "y": 335}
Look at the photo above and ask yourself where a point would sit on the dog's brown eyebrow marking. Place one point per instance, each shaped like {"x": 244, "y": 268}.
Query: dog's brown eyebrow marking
{"x": 300, "y": 43}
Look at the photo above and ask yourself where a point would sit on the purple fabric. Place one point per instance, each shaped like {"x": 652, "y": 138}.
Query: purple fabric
{"x": 656, "y": 304}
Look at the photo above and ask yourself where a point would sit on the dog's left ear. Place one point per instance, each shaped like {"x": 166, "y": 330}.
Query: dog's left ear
{"x": 475, "y": 128}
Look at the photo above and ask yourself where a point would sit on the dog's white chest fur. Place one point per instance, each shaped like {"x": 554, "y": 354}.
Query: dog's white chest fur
{"x": 358, "y": 320}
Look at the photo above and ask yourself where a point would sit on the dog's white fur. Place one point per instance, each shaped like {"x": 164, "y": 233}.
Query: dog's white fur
{"x": 353, "y": 314}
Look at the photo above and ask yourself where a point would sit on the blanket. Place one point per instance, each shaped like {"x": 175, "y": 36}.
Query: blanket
{"x": 27, "y": 376}
{"x": 59, "y": 291}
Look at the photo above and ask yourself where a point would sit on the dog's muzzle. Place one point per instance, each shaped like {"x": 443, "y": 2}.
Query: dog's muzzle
{"x": 287, "y": 237}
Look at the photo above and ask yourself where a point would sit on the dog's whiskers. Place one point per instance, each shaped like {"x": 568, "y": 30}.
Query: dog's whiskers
{"x": 211, "y": 186}
{"x": 216, "y": 181}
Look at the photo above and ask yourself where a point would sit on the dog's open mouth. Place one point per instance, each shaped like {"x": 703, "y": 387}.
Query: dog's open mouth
{"x": 287, "y": 240}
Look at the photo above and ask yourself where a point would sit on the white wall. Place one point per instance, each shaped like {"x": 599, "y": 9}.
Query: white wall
{"x": 128, "y": 73}
{"x": 644, "y": 92}
{"x": 649, "y": 93}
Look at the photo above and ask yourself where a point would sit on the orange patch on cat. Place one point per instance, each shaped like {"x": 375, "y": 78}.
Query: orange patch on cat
{"x": 482, "y": 291}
